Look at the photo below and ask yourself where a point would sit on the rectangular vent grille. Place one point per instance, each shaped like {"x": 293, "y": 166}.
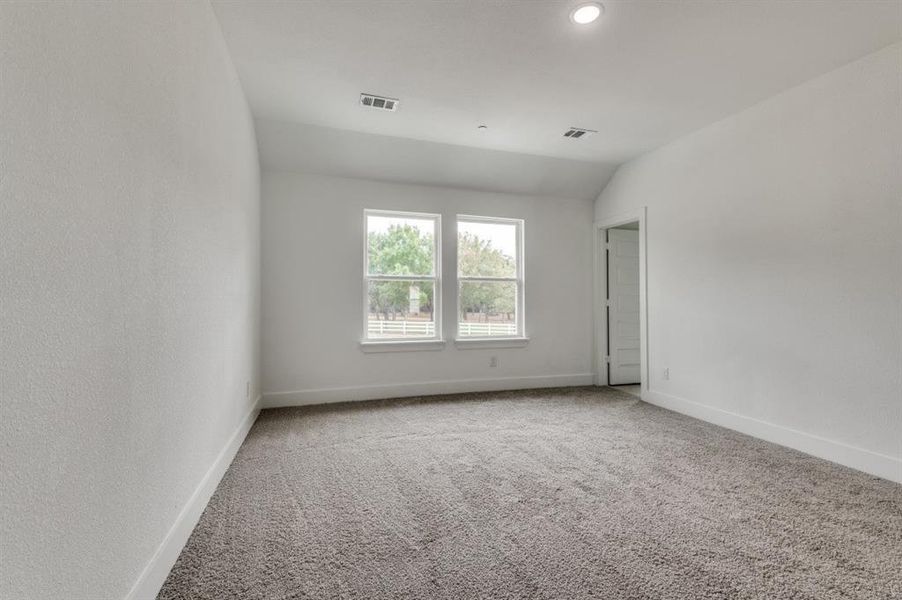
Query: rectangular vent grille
{"x": 578, "y": 132}
{"x": 379, "y": 102}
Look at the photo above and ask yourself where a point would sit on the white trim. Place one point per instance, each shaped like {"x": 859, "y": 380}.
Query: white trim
{"x": 493, "y": 342}
{"x": 372, "y": 346}
{"x": 157, "y": 569}
{"x": 874, "y": 463}
{"x": 600, "y": 270}
{"x": 426, "y": 388}
{"x": 400, "y": 278}
{"x": 485, "y": 279}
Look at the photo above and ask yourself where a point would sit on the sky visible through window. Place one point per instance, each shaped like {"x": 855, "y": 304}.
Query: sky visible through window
{"x": 502, "y": 236}
{"x": 379, "y": 224}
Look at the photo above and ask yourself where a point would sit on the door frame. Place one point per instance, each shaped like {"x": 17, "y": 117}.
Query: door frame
{"x": 601, "y": 277}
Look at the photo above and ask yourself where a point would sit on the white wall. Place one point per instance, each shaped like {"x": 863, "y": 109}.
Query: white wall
{"x": 129, "y": 270}
{"x": 775, "y": 266}
{"x": 312, "y": 292}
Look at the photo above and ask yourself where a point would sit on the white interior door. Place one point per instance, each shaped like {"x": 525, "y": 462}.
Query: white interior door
{"x": 623, "y": 306}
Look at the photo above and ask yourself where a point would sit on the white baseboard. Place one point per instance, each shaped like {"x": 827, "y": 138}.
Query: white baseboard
{"x": 426, "y": 388}
{"x": 154, "y": 574}
{"x": 870, "y": 462}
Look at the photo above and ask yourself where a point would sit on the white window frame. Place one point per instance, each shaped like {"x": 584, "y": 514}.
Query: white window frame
{"x": 496, "y": 341}
{"x": 433, "y": 342}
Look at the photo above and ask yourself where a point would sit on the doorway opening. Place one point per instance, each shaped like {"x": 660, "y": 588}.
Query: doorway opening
{"x": 621, "y": 325}
{"x": 622, "y": 305}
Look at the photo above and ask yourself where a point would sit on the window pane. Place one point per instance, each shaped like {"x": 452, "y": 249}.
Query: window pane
{"x": 487, "y": 308}
{"x": 486, "y": 249}
{"x": 401, "y": 309}
{"x": 400, "y": 245}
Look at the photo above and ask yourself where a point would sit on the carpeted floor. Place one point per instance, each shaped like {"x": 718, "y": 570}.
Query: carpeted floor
{"x": 566, "y": 494}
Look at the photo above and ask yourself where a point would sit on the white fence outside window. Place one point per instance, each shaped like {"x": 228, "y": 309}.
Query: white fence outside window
{"x": 378, "y": 328}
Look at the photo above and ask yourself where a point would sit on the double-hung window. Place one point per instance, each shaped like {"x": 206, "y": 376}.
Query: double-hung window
{"x": 402, "y": 276}
{"x": 489, "y": 278}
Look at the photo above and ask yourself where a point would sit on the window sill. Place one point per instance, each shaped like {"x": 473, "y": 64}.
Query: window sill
{"x": 402, "y": 346}
{"x": 476, "y": 343}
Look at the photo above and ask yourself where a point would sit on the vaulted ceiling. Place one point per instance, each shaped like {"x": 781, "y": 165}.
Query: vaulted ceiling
{"x": 644, "y": 74}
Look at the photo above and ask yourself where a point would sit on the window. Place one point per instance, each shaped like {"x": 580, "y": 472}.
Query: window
{"x": 402, "y": 276}
{"x": 489, "y": 277}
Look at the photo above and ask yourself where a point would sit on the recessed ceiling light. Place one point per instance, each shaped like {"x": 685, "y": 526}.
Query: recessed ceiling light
{"x": 586, "y": 13}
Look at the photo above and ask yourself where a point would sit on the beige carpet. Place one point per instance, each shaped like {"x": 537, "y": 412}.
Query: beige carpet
{"x": 566, "y": 494}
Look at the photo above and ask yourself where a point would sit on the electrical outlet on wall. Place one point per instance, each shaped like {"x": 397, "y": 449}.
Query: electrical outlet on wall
{"x": 493, "y": 361}
{"x": 666, "y": 373}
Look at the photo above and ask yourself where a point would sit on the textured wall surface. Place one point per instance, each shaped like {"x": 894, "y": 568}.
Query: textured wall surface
{"x": 129, "y": 283}
{"x": 313, "y": 249}
{"x": 774, "y": 253}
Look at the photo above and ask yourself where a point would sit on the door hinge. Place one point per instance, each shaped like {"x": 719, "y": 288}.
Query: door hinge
{"x": 607, "y": 359}
{"x": 607, "y": 302}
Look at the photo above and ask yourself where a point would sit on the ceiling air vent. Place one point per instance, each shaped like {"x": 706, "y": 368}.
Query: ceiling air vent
{"x": 380, "y": 102}
{"x": 578, "y": 132}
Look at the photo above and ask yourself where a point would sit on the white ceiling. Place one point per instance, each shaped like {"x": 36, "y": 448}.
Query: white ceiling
{"x": 313, "y": 149}
{"x": 646, "y": 73}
